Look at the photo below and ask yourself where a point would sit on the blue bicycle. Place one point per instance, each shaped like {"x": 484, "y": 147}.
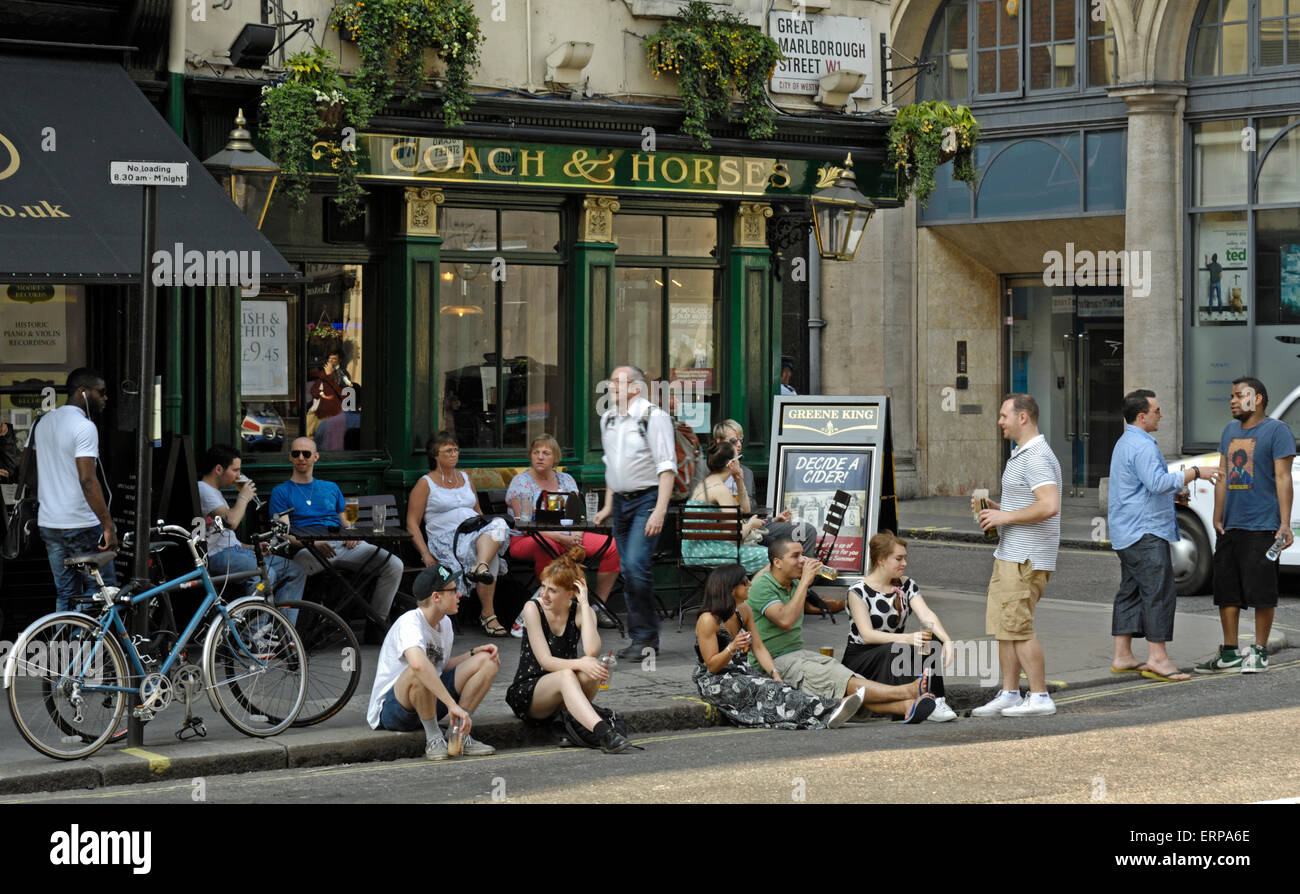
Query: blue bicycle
{"x": 68, "y": 680}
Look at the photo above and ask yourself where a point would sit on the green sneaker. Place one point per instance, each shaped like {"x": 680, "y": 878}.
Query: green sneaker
{"x": 1256, "y": 660}
{"x": 1225, "y": 661}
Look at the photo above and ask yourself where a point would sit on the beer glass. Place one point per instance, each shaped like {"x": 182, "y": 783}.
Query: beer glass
{"x": 351, "y": 511}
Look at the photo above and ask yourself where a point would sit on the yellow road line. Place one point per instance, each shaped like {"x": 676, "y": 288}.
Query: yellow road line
{"x": 157, "y": 763}
{"x": 1152, "y": 684}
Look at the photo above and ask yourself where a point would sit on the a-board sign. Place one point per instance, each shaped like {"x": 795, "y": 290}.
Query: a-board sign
{"x": 822, "y": 445}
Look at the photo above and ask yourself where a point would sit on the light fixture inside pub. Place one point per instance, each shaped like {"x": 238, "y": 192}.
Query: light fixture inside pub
{"x": 840, "y": 212}
{"x": 245, "y": 174}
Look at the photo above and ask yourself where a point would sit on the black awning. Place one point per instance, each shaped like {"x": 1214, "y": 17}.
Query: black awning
{"x": 61, "y": 123}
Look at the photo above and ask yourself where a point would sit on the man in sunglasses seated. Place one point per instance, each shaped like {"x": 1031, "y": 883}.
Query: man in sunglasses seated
{"x": 316, "y": 503}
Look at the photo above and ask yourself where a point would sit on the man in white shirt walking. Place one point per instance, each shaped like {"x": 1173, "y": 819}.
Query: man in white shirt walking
{"x": 640, "y": 466}
{"x": 1029, "y": 521}
{"x": 73, "y": 515}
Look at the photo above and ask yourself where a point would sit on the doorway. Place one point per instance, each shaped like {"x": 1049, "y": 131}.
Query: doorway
{"x": 1066, "y": 348}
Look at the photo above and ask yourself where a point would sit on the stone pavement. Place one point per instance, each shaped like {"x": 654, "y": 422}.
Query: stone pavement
{"x": 1075, "y": 636}
{"x": 949, "y": 518}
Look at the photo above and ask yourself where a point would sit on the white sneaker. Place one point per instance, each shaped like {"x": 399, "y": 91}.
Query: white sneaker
{"x": 436, "y": 749}
{"x": 474, "y": 748}
{"x": 1004, "y": 699}
{"x": 942, "y": 713}
{"x": 1038, "y": 703}
{"x": 846, "y": 709}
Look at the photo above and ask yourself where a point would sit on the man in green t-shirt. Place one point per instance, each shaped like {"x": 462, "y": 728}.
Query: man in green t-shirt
{"x": 777, "y": 601}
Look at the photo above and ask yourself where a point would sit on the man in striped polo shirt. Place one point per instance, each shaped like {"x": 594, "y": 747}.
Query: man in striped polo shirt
{"x": 1029, "y": 521}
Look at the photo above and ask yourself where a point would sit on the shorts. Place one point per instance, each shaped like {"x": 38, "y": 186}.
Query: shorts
{"x": 392, "y": 716}
{"x": 1243, "y": 577}
{"x": 813, "y": 673}
{"x": 1014, "y": 590}
{"x": 1147, "y": 595}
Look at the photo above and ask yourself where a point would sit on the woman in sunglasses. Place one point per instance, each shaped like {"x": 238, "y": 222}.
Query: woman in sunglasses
{"x": 727, "y": 677}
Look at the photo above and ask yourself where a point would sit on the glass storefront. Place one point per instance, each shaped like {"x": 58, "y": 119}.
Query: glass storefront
{"x": 1067, "y": 350}
{"x": 1243, "y": 293}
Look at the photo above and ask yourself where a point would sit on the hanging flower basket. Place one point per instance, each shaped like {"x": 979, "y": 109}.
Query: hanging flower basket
{"x": 926, "y": 135}
{"x": 304, "y": 113}
{"x": 392, "y": 37}
{"x": 718, "y": 60}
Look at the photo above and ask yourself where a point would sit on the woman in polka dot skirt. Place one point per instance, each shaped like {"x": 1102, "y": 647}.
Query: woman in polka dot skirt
{"x": 880, "y": 604}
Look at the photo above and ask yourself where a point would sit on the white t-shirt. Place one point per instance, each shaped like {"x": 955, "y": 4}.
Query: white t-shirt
{"x": 411, "y": 629}
{"x": 209, "y": 499}
{"x": 61, "y": 437}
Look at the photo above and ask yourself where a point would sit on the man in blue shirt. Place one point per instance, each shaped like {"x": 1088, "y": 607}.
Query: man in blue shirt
{"x": 1140, "y": 515}
{"x": 315, "y": 503}
{"x": 1251, "y": 508}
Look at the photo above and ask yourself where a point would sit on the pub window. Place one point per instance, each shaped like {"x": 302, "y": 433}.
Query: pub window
{"x": 665, "y": 316}
{"x": 42, "y": 339}
{"x": 500, "y": 355}
{"x": 1238, "y": 37}
{"x": 307, "y": 359}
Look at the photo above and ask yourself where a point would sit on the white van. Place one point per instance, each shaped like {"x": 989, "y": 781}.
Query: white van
{"x": 1191, "y": 554}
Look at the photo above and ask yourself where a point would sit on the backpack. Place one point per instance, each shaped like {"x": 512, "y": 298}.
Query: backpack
{"x": 574, "y": 734}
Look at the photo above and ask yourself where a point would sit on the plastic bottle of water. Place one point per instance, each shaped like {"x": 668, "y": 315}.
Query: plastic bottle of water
{"x": 609, "y": 662}
{"x": 1276, "y": 549}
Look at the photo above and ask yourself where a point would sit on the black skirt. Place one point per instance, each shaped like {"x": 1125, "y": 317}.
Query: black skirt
{"x": 894, "y": 664}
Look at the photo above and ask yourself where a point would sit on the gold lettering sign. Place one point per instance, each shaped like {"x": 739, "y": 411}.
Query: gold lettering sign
{"x": 13, "y": 161}
{"x": 830, "y": 420}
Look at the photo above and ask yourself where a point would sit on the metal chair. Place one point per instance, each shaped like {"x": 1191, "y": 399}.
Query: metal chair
{"x": 713, "y": 524}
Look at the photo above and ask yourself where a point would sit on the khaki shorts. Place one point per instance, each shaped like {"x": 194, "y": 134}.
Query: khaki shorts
{"x": 1014, "y": 590}
{"x": 814, "y": 673}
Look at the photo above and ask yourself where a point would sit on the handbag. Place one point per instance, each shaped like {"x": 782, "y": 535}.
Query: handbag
{"x": 20, "y": 530}
{"x": 554, "y": 506}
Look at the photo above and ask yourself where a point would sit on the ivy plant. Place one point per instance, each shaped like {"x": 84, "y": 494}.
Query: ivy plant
{"x": 303, "y": 116}
{"x": 391, "y": 37}
{"x": 927, "y": 134}
{"x": 713, "y": 54}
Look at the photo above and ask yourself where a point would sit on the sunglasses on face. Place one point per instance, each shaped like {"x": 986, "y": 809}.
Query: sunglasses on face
{"x": 300, "y": 454}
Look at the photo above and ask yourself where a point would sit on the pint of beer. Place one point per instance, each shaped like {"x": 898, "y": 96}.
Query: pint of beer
{"x": 351, "y": 511}
{"x": 981, "y": 495}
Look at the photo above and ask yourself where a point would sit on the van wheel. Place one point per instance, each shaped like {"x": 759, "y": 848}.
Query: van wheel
{"x": 1191, "y": 556}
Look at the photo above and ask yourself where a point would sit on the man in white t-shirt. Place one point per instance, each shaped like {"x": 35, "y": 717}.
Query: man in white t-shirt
{"x": 226, "y": 555}
{"x": 1029, "y": 522}
{"x": 73, "y": 515}
{"x": 418, "y": 681}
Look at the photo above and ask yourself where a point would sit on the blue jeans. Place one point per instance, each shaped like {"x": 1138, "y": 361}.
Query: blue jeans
{"x": 70, "y": 585}
{"x": 404, "y": 720}
{"x": 1216, "y": 295}
{"x": 288, "y": 578}
{"x": 636, "y": 554}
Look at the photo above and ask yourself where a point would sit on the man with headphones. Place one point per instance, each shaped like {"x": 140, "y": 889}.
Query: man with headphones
{"x": 73, "y": 515}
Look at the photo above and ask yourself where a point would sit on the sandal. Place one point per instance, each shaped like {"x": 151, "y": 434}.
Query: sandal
{"x": 492, "y": 627}
{"x": 482, "y": 574}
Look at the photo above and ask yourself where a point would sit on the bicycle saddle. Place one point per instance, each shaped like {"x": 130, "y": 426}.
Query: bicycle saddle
{"x": 98, "y": 559}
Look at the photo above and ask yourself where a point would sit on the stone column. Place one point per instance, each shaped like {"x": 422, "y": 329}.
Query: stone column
{"x": 1153, "y": 227}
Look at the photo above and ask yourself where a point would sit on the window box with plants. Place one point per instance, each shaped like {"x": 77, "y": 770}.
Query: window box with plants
{"x": 392, "y": 37}
{"x": 716, "y": 57}
{"x": 926, "y": 135}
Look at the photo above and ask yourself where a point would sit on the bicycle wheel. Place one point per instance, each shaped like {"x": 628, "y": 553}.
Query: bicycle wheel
{"x": 333, "y": 660}
{"x": 58, "y": 693}
{"x": 257, "y": 675}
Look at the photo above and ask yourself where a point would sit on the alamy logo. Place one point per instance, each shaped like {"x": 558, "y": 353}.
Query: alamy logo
{"x": 90, "y": 848}
{"x": 214, "y": 268}
{"x": 1099, "y": 268}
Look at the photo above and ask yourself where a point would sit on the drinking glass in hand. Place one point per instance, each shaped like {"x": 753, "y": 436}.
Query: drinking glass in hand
{"x": 455, "y": 737}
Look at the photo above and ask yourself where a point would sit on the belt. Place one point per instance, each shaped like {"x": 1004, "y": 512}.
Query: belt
{"x": 633, "y": 494}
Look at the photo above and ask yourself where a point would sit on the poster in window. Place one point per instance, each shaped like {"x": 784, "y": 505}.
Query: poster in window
{"x": 1290, "y": 281}
{"x": 810, "y": 476}
{"x": 264, "y": 349}
{"x": 1222, "y": 275}
{"x": 34, "y": 324}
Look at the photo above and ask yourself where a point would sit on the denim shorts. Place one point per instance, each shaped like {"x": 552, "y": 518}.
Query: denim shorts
{"x": 393, "y": 716}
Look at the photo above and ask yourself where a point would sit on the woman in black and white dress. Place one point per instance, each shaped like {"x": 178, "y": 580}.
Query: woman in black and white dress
{"x": 880, "y": 605}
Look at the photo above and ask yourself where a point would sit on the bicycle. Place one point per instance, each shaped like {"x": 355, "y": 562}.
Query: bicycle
{"x": 67, "y": 677}
{"x": 329, "y": 643}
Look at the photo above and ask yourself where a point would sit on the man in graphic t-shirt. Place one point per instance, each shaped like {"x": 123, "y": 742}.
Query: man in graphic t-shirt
{"x": 1252, "y": 507}
{"x": 226, "y": 555}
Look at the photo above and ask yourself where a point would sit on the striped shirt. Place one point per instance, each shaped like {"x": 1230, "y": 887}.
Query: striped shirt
{"x": 1031, "y": 465}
